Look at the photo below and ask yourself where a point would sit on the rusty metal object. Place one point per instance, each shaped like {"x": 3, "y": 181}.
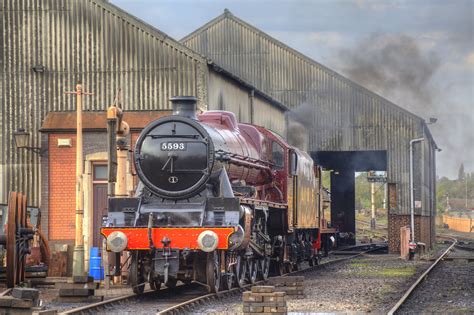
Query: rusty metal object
{"x": 11, "y": 241}
{"x": 17, "y": 239}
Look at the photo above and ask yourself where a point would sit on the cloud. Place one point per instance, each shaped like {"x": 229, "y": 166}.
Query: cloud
{"x": 377, "y": 5}
{"x": 470, "y": 59}
{"x": 333, "y": 39}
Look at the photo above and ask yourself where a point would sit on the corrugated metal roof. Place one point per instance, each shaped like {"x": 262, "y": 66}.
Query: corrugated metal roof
{"x": 66, "y": 121}
{"x": 192, "y": 41}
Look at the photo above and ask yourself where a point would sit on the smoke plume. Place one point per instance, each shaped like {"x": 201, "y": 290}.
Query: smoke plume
{"x": 394, "y": 66}
{"x": 397, "y": 68}
{"x": 299, "y": 119}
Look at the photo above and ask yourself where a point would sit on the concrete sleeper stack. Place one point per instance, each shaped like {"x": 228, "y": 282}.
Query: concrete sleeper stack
{"x": 264, "y": 300}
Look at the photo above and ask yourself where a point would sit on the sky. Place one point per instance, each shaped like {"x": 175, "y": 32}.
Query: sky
{"x": 418, "y": 54}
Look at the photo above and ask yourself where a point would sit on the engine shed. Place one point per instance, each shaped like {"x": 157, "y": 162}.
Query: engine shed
{"x": 351, "y": 129}
{"x": 48, "y": 47}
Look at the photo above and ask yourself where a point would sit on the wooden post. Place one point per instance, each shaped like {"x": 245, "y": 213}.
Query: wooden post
{"x": 78, "y": 256}
{"x": 121, "y": 187}
{"x": 404, "y": 240}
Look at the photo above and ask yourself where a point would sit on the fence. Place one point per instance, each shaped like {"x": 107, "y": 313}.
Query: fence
{"x": 459, "y": 224}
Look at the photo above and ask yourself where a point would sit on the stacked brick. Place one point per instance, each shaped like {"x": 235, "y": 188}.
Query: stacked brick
{"x": 21, "y": 301}
{"x": 293, "y": 286}
{"x": 264, "y": 300}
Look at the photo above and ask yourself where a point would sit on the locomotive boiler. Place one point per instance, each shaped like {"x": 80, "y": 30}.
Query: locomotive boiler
{"x": 218, "y": 202}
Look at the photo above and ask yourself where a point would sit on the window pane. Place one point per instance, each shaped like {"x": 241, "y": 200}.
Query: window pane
{"x": 100, "y": 172}
{"x": 277, "y": 154}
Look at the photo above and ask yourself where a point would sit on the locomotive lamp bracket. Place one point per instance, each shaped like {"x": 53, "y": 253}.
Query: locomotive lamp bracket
{"x": 21, "y": 138}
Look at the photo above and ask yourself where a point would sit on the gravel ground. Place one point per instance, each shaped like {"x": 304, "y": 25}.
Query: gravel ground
{"x": 370, "y": 284}
{"x": 449, "y": 289}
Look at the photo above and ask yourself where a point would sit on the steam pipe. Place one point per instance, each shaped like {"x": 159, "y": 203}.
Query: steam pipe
{"x": 412, "y": 197}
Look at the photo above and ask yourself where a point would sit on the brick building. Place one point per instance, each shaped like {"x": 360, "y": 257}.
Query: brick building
{"x": 59, "y": 173}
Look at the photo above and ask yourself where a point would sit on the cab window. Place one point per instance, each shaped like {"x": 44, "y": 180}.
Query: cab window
{"x": 293, "y": 163}
{"x": 277, "y": 155}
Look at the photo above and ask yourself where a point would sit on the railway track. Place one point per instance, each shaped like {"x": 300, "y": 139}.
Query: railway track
{"x": 184, "y": 298}
{"x": 444, "y": 258}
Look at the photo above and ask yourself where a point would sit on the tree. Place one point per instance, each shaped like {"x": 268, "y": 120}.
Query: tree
{"x": 461, "y": 173}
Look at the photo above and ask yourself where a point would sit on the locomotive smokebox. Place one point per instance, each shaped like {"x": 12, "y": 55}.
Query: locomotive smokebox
{"x": 184, "y": 106}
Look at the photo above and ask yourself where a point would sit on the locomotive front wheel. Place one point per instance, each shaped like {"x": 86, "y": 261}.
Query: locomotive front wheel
{"x": 213, "y": 271}
{"x": 135, "y": 276}
{"x": 240, "y": 271}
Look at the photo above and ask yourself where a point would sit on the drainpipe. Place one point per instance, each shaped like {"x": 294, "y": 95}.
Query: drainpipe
{"x": 412, "y": 197}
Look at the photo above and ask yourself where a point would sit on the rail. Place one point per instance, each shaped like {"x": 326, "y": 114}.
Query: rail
{"x": 413, "y": 287}
{"x": 187, "y": 305}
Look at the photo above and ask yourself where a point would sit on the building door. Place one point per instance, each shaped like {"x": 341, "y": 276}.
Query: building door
{"x": 99, "y": 197}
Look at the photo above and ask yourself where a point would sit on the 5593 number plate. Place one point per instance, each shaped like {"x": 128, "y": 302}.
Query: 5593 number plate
{"x": 173, "y": 146}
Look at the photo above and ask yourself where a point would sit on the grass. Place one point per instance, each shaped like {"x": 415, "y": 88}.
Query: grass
{"x": 391, "y": 272}
{"x": 359, "y": 265}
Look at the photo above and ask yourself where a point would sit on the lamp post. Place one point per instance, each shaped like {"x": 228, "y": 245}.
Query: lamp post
{"x": 22, "y": 139}
{"x": 412, "y": 197}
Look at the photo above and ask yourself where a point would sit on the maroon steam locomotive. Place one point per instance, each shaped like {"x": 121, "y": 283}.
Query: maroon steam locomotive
{"x": 218, "y": 202}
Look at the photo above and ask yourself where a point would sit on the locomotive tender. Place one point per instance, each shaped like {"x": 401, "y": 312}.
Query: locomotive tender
{"x": 218, "y": 202}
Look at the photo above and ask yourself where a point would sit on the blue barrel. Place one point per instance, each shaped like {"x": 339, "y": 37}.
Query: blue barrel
{"x": 96, "y": 271}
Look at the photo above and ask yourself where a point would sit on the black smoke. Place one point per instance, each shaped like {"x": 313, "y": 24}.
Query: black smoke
{"x": 300, "y": 119}
{"x": 394, "y": 66}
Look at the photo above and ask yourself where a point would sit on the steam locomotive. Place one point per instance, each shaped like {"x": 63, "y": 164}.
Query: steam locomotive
{"x": 218, "y": 202}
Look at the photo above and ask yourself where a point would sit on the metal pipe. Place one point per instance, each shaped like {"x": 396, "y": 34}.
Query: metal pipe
{"x": 412, "y": 197}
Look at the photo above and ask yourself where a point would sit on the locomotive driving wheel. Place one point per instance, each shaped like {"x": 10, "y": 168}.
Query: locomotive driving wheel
{"x": 265, "y": 267}
{"x": 252, "y": 268}
{"x": 213, "y": 271}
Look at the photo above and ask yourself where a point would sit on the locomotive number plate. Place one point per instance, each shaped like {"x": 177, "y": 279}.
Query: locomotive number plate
{"x": 173, "y": 146}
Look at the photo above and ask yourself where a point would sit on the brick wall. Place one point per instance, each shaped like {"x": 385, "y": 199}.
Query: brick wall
{"x": 61, "y": 188}
{"x": 59, "y": 185}
{"x": 424, "y": 230}
{"x": 44, "y": 206}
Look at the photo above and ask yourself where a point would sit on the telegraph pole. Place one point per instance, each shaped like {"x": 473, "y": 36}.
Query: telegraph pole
{"x": 78, "y": 256}
{"x": 372, "y": 203}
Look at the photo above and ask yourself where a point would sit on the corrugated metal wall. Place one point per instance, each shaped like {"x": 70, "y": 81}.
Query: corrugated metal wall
{"x": 90, "y": 41}
{"x": 345, "y": 116}
{"x": 225, "y": 94}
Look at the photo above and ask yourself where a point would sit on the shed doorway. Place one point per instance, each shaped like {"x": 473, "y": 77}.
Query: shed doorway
{"x": 342, "y": 166}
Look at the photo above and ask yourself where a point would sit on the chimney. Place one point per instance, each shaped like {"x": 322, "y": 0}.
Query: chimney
{"x": 184, "y": 106}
